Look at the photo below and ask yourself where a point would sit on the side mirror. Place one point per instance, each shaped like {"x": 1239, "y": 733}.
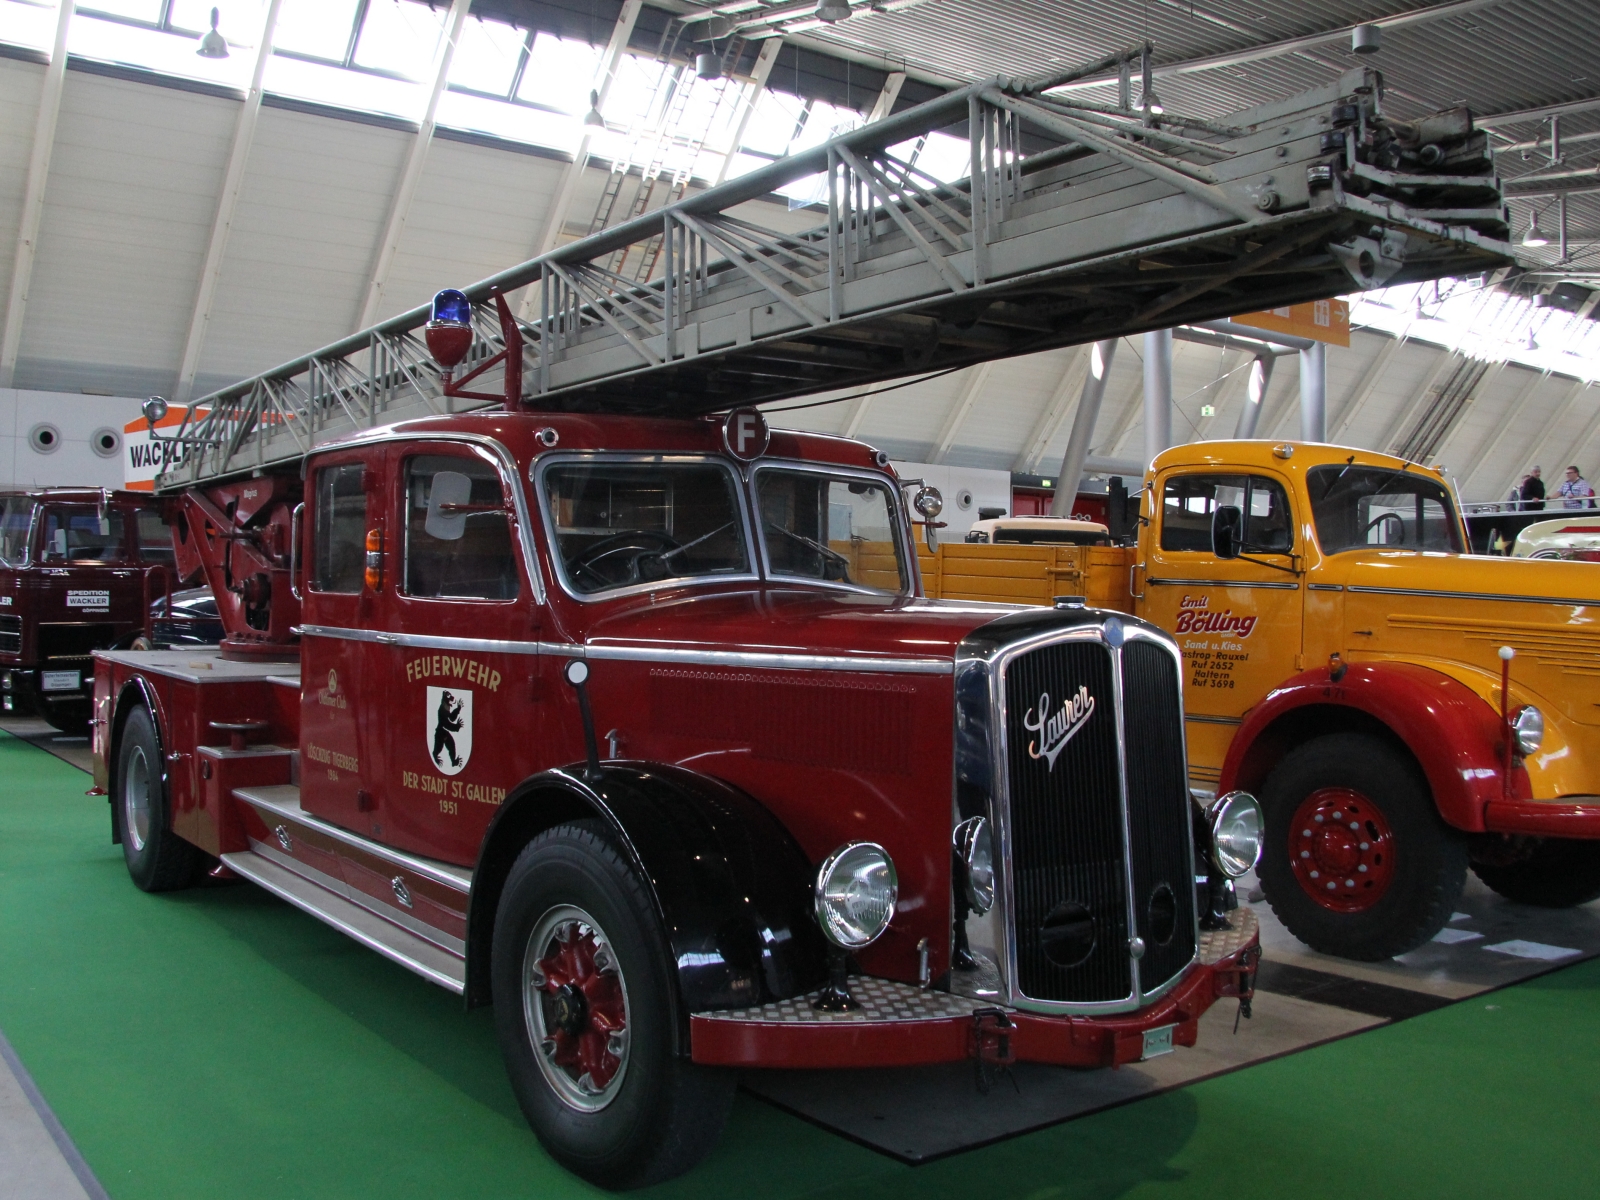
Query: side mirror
{"x": 447, "y": 504}
{"x": 1227, "y": 531}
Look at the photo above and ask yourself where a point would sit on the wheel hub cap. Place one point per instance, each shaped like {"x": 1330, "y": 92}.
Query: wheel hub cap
{"x": 1341, "y": 850}
{"x": 576, "y": 1006}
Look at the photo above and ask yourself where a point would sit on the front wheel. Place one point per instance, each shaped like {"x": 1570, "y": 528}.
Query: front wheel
{"x": 1357, "y": 862}
{"x": 158, "y": 859}
{"x": 587, "y": 1012}
{"x": 1560, "y": 873}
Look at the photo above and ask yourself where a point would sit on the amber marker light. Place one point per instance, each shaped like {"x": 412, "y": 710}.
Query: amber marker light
{"x": 374, "y": 559}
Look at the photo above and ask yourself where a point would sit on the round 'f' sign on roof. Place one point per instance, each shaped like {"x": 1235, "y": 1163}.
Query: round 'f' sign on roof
{"x": 745, "y": 434}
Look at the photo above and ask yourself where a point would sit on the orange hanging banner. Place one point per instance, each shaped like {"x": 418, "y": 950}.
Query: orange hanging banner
{"x": 1320, "y": 320}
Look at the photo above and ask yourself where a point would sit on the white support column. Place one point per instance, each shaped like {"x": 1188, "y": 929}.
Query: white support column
{"x": 758, "y": 84}
{"x": 1314, "y": 393}
{"x": 1255, "y": 395}
{"x": 44, "y": 140}
{"x": 570, "y": 177}
{"x": 411, "y": 175}
{"x": 976, "y": 377}
{"x": 1157, "y": 393}
{"x": 1368, "y": 383}
{"x": 1094, "y": 390}
{"x": 887, "y": 97}
{"x": 1491, "y": 444}
{"x": 244, "y": 129}
{"x": 1044, "y": 429}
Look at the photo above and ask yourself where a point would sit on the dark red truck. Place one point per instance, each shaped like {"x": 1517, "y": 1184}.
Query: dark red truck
{"x": 640, "y": 730}
{"x": 73, "y": 568}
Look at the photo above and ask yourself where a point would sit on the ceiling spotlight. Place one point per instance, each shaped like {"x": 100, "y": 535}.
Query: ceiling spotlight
{"x": 593, "y": 117}
{"x": 708, "y": 65}
{"x": 212, "y": 43}
{"x": 833, "y": 10}
{"x": 1365, "y": 39}
{"x": 1531, "y": 343}
{"x": 1534, "y": 237}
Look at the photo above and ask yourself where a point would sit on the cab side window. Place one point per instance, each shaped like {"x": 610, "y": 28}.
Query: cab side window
{"x": 155, "y": 539}
{"x": 1188, "y": 503}
{"x": 339, "y": 537}
{"x": 458, "y": 534}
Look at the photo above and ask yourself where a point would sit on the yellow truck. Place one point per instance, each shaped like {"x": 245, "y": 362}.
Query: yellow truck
{"x": 1344, "y": 660}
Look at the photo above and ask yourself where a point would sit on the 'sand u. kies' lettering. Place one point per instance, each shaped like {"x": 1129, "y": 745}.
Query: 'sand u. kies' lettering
{"x": 452, "y": 666}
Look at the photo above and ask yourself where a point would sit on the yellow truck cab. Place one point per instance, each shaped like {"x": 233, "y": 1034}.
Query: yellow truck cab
{"x": 1344, "y": 657}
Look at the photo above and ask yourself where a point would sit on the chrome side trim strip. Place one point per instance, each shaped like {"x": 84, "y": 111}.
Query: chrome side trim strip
{"x": 372, "y": 931}
{"x": 1592, "y": 602}
{"x": 747, "y": 659}
{"x": 284, "y": 801}
{"x": 423, "y": 641}
{"x": 1324, "y": 587}
{"x": 778, "y": 661}
{"x": 1213, "y": 720}
{"x": 1232, "y": 583}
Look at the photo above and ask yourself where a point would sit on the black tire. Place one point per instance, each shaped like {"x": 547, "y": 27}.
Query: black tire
{"x": 657, "y": 1114}
{"x": 158, "y": 859}
{"x": 1424, "y": 873}
{"x": 1560, "y": 873}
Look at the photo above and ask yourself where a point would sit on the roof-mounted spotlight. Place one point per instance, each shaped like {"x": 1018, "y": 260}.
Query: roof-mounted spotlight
{"x": 833, "y": 10}
{"x": 1366, "y": 39}
{"x": 212, "y": 43}
{"x": 593, "y": 117}
{"x": 1534, "y": 236}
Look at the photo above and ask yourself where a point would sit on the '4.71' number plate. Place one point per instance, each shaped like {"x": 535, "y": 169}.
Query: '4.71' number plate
{"x": 1157, "y": 1041}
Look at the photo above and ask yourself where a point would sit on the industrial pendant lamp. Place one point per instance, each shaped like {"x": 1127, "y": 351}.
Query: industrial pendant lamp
{"x": 833, "y": 10}
{"x": 708, "y": 65}
{"x": 1150, "y": 102}
{"x": 212, "y": 43}
{"x": 1534, "y": 237}
{"x": 593, "y": 117}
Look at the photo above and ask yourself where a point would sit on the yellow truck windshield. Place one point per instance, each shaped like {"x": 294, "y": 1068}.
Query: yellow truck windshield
{"x": 1358, "y": 508}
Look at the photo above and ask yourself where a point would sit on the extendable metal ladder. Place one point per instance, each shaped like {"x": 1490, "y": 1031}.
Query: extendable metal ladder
{"x": 1078, "y": 221}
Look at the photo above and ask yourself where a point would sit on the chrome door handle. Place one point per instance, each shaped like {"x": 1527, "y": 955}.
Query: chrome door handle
{"x": 388, "y": 639}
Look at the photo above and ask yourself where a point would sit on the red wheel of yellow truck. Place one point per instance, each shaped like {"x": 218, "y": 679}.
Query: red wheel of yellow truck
{"x": 587, "y": 1009}
{"x": 1357, "y": 861}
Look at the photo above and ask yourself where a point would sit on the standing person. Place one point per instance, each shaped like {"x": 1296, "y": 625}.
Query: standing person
{"x": 1533, "y": 491}
{"x": 1575, "y": 491}
{"x": 1514, "y": 496}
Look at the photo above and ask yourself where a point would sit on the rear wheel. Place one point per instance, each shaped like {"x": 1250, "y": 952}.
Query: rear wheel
{"x": 1357, "y": 862}
{"x": 587, "y": 1012}
{"x": 1559, "y": 873}
{"x": 158, "y": 859}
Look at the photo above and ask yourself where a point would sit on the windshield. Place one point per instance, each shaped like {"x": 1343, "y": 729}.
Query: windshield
{"x": 1356, "y": 508}
{"x": 621, "y": 524}
{"x": 837, "y": 529}
{"x": 16, "y": 518}
{"x": 82, "y": 535}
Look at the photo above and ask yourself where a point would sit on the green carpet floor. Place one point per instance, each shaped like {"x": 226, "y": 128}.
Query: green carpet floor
{"x": 218, "y": 1043}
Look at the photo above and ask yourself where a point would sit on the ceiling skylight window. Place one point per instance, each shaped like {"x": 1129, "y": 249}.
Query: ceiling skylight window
{"x": 162, "y": 37}
{"x": 315, "y": 28}
{"x": 487, "y": 58}
{"x": 399, "y": 39}
{"x": 30, "y": 23}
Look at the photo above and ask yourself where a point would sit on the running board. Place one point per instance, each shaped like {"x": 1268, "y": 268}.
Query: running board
{"x": 410, "y": 951}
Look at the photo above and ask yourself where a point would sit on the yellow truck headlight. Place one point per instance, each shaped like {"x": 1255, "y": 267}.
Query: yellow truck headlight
{"x": 1527, "y": 727}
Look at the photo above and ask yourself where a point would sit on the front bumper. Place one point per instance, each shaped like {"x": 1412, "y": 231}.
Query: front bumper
{"x": 1538, "y": 818}
{"x": 900, "y": 1025}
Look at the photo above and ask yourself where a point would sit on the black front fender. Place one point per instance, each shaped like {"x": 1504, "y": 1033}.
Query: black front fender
{"x": 731, "y": 885}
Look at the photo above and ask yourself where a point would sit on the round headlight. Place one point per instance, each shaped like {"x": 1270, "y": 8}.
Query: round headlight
{"x": 1236, "y": 827}
{"x": 974, "y": 846}
{"x": 1528, "y": 729}
{"x": 855, "y": 894}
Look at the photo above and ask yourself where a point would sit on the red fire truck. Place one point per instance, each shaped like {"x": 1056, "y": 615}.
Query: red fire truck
{"x": 638, "y": 730}
{"x": 74, "y": 568}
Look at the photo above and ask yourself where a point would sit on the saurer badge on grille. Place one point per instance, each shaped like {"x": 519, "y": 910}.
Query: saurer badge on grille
{"x": 1055, "y": 730}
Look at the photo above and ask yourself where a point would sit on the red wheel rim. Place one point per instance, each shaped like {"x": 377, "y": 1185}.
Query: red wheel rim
{"x": 578, "y": 1009}
{"x": 1341, "y": 850}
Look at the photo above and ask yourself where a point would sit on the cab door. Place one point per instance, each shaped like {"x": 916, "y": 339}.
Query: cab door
{"x": 342, "y": 672}
{"x": 1238, "y": 621}
{"x": 461, "y": 628}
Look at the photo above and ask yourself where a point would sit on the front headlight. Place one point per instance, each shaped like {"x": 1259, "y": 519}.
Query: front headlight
{"x": 974, "y": 846}
{"x": 1236, "y": 827}
{"x": 1527, "y": 727}
{"x": 855, "y": 894}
